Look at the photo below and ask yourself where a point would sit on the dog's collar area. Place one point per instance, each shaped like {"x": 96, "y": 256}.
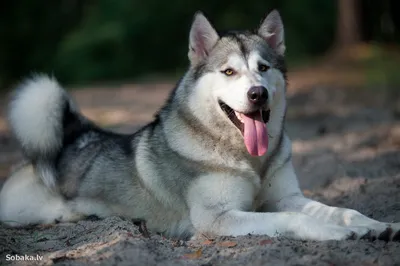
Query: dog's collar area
{"x": 230, "y": 113}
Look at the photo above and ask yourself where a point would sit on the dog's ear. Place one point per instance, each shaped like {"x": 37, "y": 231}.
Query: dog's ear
{"x": 271, "y": 29}
{"x": 202, "y": 38}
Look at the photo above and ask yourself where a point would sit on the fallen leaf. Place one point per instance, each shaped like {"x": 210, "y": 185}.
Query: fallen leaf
{"x": 207, "y": 242}
{"x": 227, "y": 244}
{"x": 194, "y": 255}
{"x": 265, "y": 242}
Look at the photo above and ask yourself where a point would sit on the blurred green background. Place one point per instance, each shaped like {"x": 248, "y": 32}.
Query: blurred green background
{"x": 83, "y": 41}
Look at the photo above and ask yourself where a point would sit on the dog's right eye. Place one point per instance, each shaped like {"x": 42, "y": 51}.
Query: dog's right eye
{"x": 263, "y": 68}
{"x": 228, "y": 72}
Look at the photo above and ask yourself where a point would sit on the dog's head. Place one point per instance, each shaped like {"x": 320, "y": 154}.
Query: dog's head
{"x": 242, "y": 72}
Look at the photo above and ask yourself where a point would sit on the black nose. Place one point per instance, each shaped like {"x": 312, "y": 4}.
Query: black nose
{"x": 257, "y": 95}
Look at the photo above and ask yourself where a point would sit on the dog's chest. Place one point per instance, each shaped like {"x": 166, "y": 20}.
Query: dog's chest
{"x": 258, "y": 180}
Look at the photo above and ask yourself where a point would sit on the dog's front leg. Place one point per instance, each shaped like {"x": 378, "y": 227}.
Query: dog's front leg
{"x": 340, "y": 216}
{"x": 283, "y": 194}
{"x": 219, "y": 205}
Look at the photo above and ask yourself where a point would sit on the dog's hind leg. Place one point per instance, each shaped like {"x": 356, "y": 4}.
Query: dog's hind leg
{"x": 24, "y": 200}
{"x": 91, "y": 207}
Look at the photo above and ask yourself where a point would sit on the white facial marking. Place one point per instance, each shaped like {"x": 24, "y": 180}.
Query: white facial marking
{"x": 261, "y": 77}
{"x": 236, "y": 63}
{"x": 255, "y": 59}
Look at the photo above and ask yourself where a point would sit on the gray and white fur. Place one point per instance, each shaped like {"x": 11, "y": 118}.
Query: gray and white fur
{"x": 215, "y": 160}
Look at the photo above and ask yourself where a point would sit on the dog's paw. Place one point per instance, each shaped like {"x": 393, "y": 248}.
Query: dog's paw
{"x": 396, "y": 236}
{"x": 363, "y": 233}
{"x": 356, "y": 233}
{"x": 336, "y": 232}
{"x": 392, "y": 232}
{"x": 380, "y": 231}
{"x": 69, "y": 217}
{"x": 360, "y": 233}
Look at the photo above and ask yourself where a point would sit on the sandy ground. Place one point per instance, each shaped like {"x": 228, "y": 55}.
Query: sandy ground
{"x": 346, "y": 152}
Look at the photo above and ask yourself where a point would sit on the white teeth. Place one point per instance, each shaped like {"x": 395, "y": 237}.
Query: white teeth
{"x": 239, "y": 116}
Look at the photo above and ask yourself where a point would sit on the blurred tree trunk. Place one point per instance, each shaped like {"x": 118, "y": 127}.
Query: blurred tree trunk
{"x": 348, "y": 23}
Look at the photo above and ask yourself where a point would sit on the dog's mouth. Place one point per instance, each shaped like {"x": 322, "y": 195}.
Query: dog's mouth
{"x": 252, "y": 126}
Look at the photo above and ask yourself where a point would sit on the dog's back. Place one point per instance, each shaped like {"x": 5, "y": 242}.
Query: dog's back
{"x": 76, "y": 169}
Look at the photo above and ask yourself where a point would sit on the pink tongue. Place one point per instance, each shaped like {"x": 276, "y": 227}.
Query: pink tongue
{"x": 255, "y": 134}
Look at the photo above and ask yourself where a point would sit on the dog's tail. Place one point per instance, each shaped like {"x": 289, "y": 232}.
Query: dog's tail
{"x": 43, "y": 116}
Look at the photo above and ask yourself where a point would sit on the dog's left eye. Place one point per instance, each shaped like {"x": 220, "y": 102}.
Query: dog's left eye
{"x": 262, "y": 67}
{"x": 228, "y": 72}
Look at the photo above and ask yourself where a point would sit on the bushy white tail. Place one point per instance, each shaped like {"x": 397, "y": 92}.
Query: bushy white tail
{"x": 37, "y": 115}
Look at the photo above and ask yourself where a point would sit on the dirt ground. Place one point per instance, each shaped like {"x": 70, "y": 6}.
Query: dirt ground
{"x": 346, "y": 147}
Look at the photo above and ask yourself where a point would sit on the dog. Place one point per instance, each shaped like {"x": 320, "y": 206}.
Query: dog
{"x": 215, "y": 160}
